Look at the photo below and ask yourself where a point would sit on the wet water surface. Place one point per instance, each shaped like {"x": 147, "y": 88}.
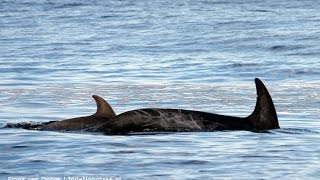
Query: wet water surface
{"x": 200, "y": 55}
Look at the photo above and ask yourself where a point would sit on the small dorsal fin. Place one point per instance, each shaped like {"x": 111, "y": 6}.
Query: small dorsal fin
{"x": 264, "y": 115}
{"x": 103, "y": 108}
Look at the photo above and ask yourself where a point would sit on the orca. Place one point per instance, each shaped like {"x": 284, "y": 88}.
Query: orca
{"x": 264, "y": 117}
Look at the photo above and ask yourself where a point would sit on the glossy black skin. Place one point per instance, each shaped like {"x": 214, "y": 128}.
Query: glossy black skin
{"x": 175, "y": 120}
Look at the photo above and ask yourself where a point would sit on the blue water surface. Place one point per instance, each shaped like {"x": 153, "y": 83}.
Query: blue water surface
{"x": 201, "y": 55}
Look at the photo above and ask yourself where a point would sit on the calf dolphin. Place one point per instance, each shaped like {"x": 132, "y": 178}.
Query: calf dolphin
{"x": 264, "y": 117}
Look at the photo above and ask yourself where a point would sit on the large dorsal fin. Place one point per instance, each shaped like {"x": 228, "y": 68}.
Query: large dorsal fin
{"x": 103, "y": 108}
{"x": 264, "y": 115}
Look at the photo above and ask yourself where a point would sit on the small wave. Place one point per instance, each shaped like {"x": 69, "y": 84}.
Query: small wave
{"x": 3, "y": 124}
{"x": 68, "y": 5}
{"x": 235, "y": 65}
{"x": 196, "y": 162}
{"x": 24, "y": 125}
{"x": 19, "y": 147}
{"x": 123, "y": 152}
{"x": 285, "y": 47}
{"x": 303, "y": 71}
{"x": 261, "y": 10}
{"x": 108, "y": 16}
{"x": 296, "y": 131}
{"x": 305, "y": 54}
{"x": 278, "y": 47}
{"x": 38, "y": 161}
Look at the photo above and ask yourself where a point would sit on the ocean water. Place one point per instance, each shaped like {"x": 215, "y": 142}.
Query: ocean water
{"x": 201, "y": 55}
